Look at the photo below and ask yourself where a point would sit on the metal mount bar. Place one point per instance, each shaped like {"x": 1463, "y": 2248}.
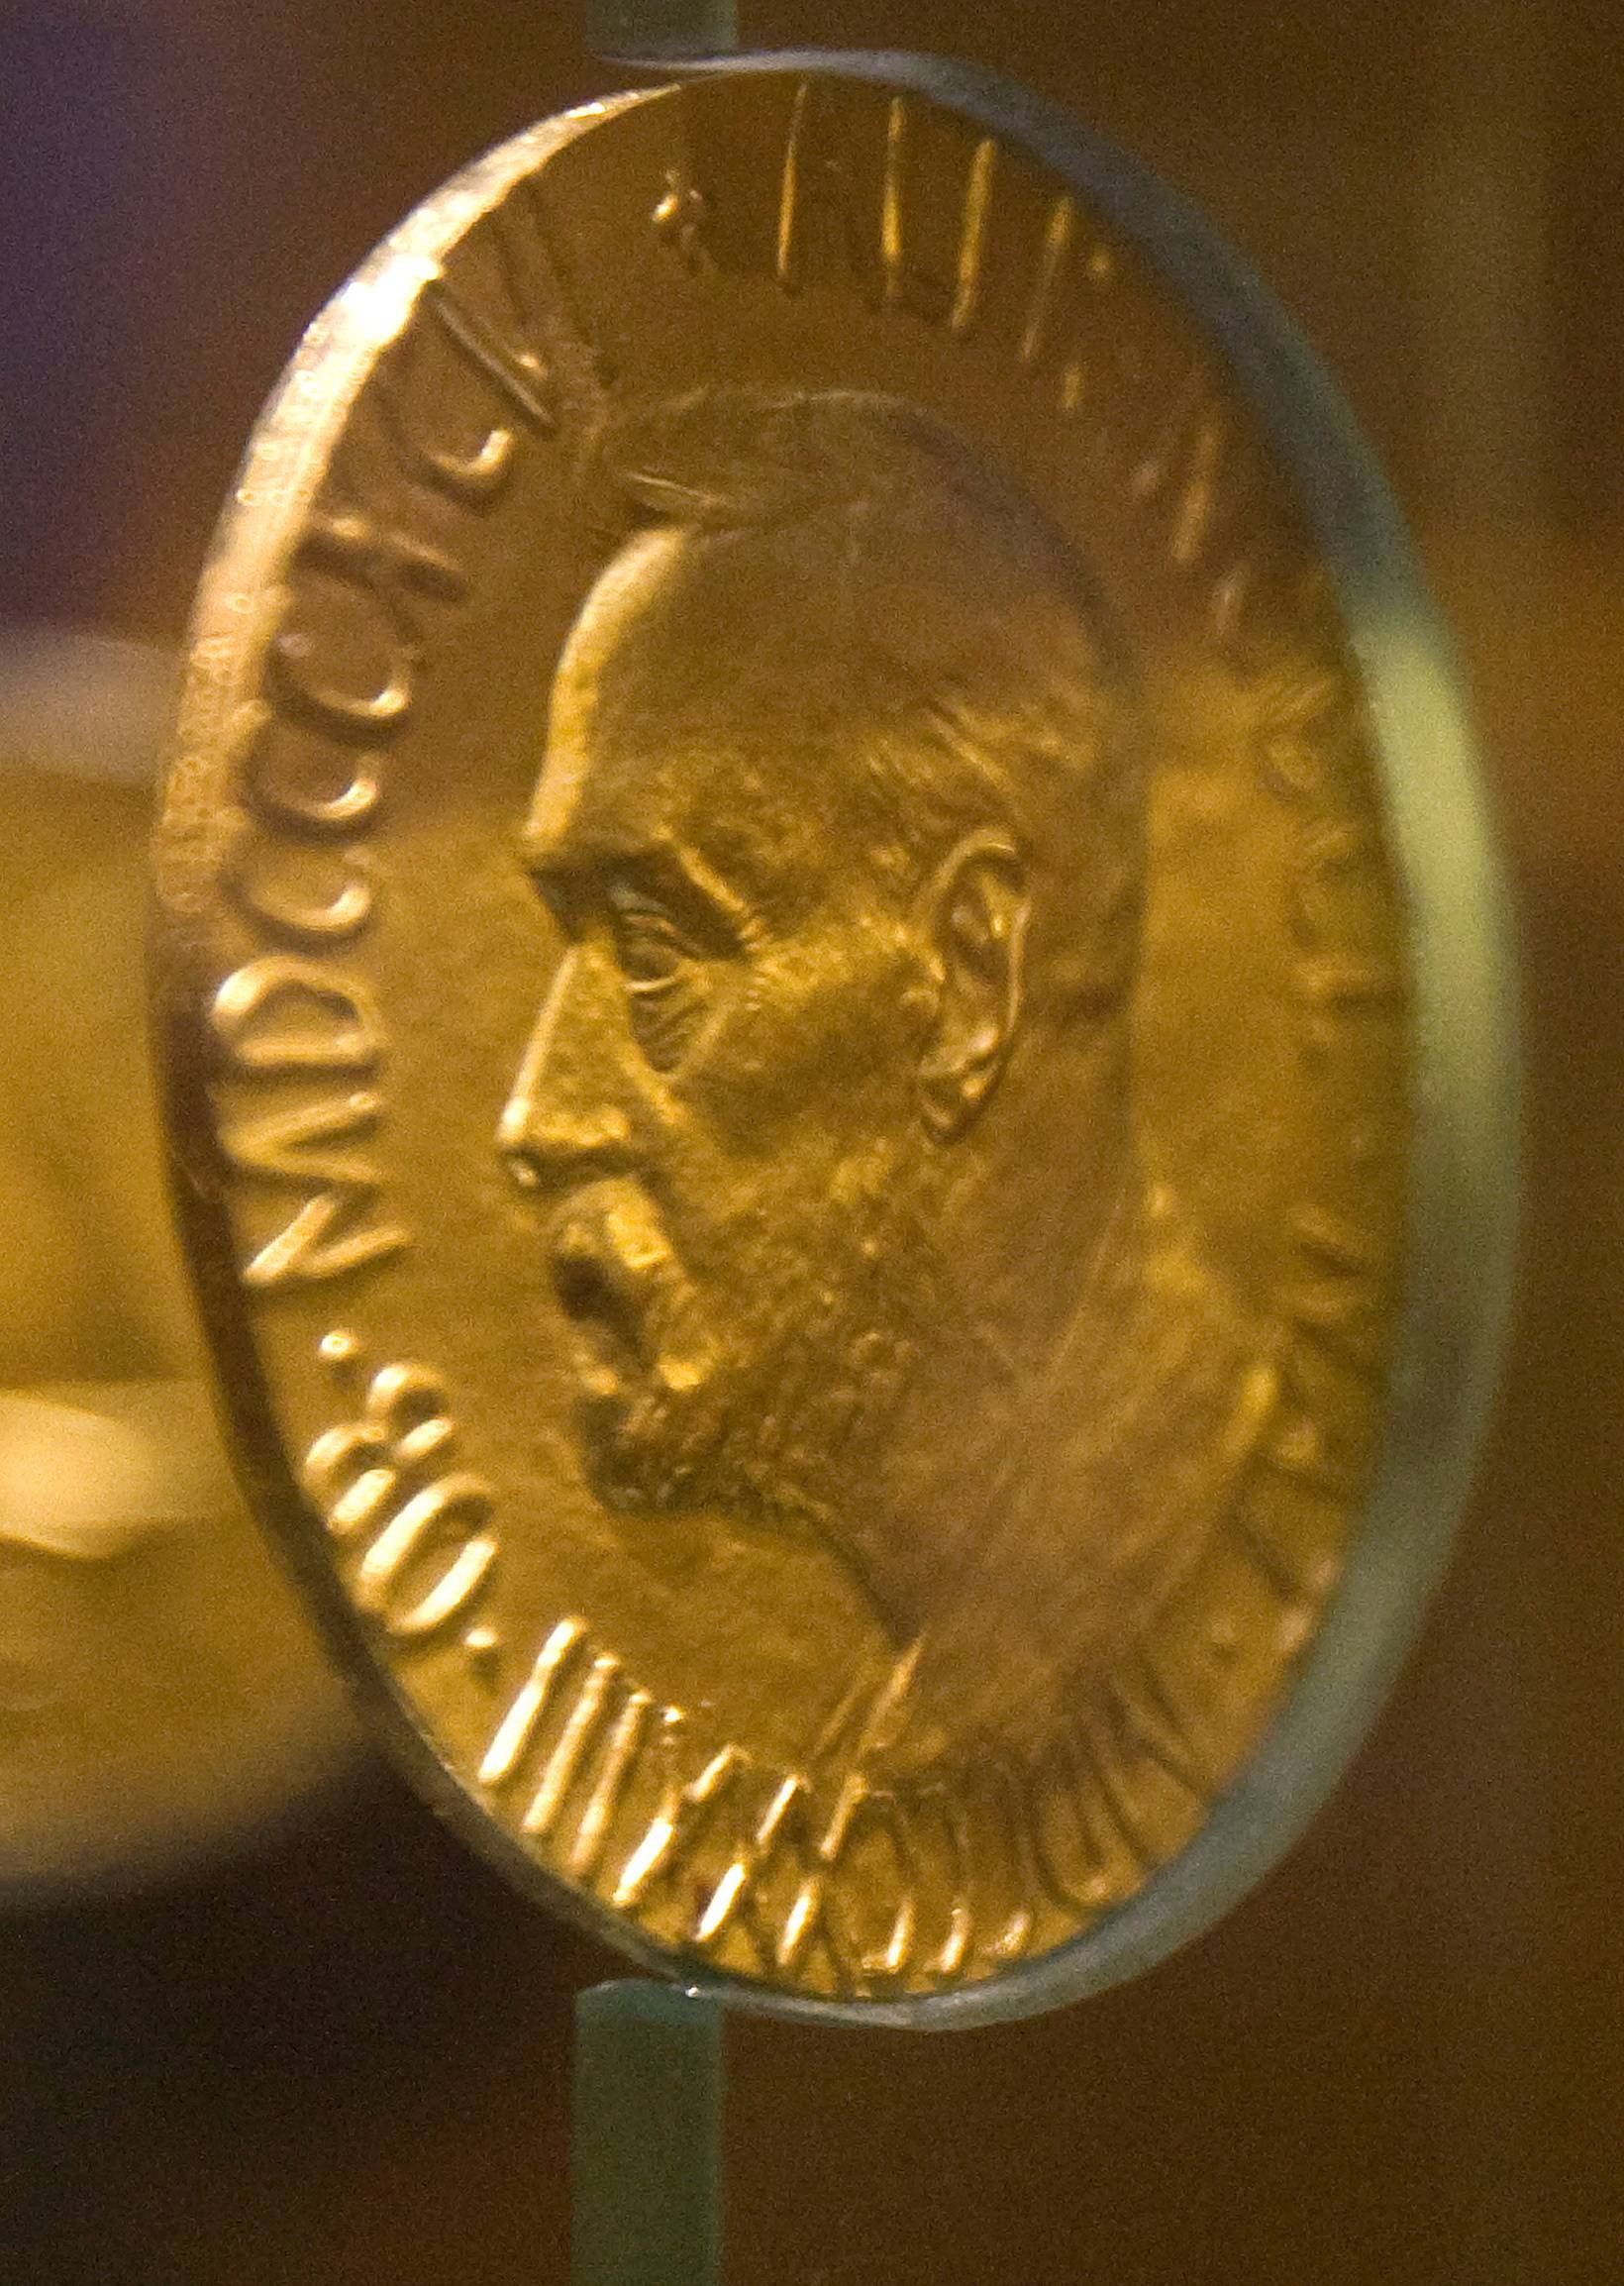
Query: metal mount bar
{"x": 648, "y": 2136}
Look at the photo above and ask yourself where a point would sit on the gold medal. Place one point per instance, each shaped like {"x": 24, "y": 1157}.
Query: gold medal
{"x": 838, "y": 1101}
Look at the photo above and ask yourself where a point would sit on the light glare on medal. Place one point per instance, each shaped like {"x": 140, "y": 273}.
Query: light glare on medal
{"x": 375, "y": 1520}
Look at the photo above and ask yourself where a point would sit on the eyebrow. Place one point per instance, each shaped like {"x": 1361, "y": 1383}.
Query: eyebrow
{"x": 584, "y": 867}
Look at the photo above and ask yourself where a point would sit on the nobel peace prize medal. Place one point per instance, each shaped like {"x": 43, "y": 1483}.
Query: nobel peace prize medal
{"x": 834, "y": 1038}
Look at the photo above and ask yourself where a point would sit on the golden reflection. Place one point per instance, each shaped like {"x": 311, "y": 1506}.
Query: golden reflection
{"x": 158, "y": 1691}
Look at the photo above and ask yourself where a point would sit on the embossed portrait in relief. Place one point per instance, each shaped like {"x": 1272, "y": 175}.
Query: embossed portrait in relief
{"x": 841, "y": 812}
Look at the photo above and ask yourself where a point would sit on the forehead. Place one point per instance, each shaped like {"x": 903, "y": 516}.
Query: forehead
{"x": 684, "y": 715}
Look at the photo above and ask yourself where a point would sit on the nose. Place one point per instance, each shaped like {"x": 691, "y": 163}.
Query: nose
{"x": 563, "y": 1120}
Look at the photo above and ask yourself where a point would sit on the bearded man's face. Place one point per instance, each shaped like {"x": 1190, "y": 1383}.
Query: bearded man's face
{"x": 720, "y": 1091}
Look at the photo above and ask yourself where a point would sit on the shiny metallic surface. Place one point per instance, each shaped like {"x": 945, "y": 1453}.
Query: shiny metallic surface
{"x": 161, "y": 1698}
{"x": 877, "y": 1373}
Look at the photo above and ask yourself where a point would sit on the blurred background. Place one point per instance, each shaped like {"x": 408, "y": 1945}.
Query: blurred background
{"x": 343, "y": 2060}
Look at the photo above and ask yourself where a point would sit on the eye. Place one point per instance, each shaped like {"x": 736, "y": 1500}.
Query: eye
{"x": 648, "y": 945}
{"x": 664, "y": 973}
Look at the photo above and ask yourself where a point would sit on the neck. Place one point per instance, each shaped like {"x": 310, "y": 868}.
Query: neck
{"x": 924, "y": 1501}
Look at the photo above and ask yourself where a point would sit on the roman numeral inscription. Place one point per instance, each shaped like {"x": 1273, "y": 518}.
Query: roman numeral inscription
{"x": 342, "y": 671}
{"x": 472, "y": 378}
{"x": 328, "y": 1232}
{"x": 278, "y": 1019}
{"x": 826, "y": 1871}
{"x": 358, "y": 587}
{"x": 577, "y": 1739}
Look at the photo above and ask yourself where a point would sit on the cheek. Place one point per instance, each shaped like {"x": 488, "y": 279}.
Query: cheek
{"x": 816, "y": 1047}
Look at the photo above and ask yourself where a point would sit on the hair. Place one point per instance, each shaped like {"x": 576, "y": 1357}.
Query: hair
{"x": 975, "y": 671}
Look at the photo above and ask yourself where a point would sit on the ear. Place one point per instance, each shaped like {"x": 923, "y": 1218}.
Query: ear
{"x": 975, "y": 917}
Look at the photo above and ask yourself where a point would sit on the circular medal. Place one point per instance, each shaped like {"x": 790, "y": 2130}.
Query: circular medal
{"x": 835, "y": 1038}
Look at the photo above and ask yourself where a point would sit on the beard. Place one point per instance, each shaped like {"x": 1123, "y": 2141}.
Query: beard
{"x": 759, "y": 1387}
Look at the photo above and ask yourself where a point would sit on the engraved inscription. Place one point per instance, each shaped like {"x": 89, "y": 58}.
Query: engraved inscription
{"x": 419, "y": 1534}
{"x": 816, "y": 197}
{"x": 518, "y": 373}
{"x": 323, "y": 1239}
{"x": 273, "y": 890}
{"x": 358, "y": 586}
{"x": 286, "y": 1016}
{"x": 471, "y": 472}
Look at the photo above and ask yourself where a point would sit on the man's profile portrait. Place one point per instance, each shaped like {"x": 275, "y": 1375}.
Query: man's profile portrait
{"x": 841, "y": 812}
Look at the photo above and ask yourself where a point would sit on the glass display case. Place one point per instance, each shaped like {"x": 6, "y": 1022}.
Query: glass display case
{"x": 344, "y": 2052}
